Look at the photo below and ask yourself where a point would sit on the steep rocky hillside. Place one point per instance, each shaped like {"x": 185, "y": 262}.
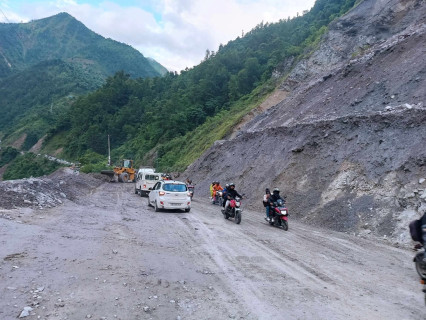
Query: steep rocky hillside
{"x": 346, "y": 145}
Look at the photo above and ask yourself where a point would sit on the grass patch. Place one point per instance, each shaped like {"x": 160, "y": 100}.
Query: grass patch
{"x": 180, "y": 152}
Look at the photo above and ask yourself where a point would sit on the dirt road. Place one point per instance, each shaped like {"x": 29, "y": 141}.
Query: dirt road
{"x": 110, "y": 256}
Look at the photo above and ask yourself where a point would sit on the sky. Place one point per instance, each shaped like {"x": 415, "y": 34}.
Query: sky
{"x": 176, "y": 33}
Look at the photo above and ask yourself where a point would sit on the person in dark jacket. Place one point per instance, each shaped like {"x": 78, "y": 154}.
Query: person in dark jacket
{"x": 231, "y": 193}
{"x": 273, "y": 199}
{"x": 423, "y": 228}
{"x": 224, "y": 195}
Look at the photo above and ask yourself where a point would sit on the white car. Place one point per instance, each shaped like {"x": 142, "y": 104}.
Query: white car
{"x": 169, "y": 194}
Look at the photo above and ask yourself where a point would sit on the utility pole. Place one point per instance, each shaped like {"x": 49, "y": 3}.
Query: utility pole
{"x": 109, "y": 152}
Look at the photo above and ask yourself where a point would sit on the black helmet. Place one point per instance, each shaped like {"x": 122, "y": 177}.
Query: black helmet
{"x": 276, "y": 190}
{"x": 227, "y": 185}
{"x": 267, "y": 190}
{"x": 232, "y": 185}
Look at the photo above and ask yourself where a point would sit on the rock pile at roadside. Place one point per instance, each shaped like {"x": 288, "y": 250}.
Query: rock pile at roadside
{"x": 46, "y": 192}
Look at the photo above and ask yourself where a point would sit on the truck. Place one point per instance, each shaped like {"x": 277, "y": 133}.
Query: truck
{"x": 146, "y": 178}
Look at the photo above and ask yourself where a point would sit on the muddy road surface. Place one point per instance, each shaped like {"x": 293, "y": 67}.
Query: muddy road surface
{"x": 110, "y": 256}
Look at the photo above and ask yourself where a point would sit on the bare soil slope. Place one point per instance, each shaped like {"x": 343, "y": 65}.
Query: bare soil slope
{"x": 347, "y": 144}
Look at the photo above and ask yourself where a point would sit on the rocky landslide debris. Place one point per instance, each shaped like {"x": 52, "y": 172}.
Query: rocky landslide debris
{"x": 346, "y": 144}
{"x": 45, "y": 192}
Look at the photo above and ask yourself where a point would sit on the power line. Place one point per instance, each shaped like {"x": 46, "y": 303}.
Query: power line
{"x": 4, "y": 15}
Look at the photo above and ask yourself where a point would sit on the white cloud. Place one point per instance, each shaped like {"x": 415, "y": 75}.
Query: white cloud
{"x": 185, "y": 29}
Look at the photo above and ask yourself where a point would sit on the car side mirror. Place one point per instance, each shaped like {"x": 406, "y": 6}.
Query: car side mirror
{"x": 149, "y": 188}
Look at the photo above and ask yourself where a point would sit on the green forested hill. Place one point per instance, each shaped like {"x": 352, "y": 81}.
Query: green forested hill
{"x": 31, "y": 100}
{"x": 148, "y": 117}
{"x": 63, "y": 37}
{"x": 46, "y": 64}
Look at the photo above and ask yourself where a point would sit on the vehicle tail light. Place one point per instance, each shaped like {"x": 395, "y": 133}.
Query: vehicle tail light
{"x": 162, "y": 203}
{"x": 422, "y": 281}
{"x": 161, "y": 193}
{"x": 188, "y": 203}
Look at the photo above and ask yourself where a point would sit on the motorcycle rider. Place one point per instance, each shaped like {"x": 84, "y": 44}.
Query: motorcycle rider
{"x": 266, "y": 197}
{"x": 217, "y": 187}
{"x": 224, "y": 192}
{"x": 231, "y": 193}
{"x": 274, "y": 198}
{"x": 423, "y": 230}
{"x": 211, "y": 189}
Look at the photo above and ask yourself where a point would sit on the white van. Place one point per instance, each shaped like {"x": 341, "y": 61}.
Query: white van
{"x": 146, "y": 178}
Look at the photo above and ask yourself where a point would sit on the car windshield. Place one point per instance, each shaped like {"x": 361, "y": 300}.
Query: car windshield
{"x": 152, "y": 177}
{"x": 174, "y": 187}
{"x": 126, "y": 164}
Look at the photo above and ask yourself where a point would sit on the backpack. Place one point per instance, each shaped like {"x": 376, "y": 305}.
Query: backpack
{"x": 416, "y": 230}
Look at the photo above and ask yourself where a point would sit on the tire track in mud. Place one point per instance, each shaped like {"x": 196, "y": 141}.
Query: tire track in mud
{"x": 225, "y": 266}
{"x": 331, "y": 265}
{"x": 284, "y": 260}
{"x": 254, "y": 271}
{"x": 213, "y": 268}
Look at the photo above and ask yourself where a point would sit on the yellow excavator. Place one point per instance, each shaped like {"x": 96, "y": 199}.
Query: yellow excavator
{"x": 123, "y": 173}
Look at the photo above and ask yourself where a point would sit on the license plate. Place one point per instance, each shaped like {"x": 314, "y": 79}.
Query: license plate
{"x": 175, "y": 204}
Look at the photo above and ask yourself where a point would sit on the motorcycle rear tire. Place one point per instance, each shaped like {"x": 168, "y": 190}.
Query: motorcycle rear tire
{"x": 238, "y": 217}
{"x": 225, "y": 214}
{"x": 284, "y": 224}
{"x": 420, "y": 267}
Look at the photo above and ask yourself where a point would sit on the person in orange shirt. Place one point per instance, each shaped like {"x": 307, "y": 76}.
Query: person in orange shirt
{"x": 217, "y": 187}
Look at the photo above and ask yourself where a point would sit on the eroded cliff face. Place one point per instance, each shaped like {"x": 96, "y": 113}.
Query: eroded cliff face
{"x": 347, "y": 144}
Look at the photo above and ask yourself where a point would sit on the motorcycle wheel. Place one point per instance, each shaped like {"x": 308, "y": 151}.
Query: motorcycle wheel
{"x": 238, "y": 217}
{"x": 284, "y": 224}
{"x": 277, "y": 222}
{"x": 226, "y": 215}
{"x": 420, "y": 266}
{"x": 425, "y": 296}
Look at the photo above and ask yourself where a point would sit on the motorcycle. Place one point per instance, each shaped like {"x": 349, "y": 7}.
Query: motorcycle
{"x": 219, "y": 195}
{"x": 279, "y": 215}
{"x": 234, "y": 210}
{"x": 217, "y": 199}
{"x": 421, "y": 269}
{"x": 191, "y": 190}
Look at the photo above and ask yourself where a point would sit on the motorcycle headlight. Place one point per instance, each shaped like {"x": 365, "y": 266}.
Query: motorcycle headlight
{"x": 284, "y": 212}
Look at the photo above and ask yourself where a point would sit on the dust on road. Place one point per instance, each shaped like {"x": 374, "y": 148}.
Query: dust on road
{"x": 108, "y": 255}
